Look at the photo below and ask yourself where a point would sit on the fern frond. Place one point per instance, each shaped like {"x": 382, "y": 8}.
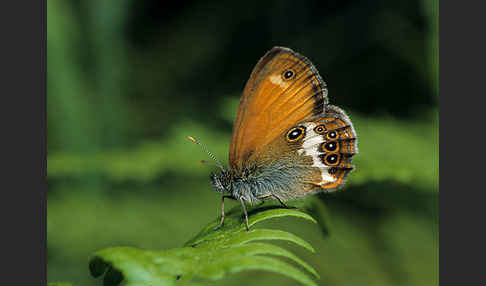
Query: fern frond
{"x": 211, "y": 255}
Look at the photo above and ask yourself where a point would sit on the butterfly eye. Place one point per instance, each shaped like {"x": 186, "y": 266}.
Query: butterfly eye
{"x": 295, "y": 134}
{"x": 329, "y": 146}
{"x": 331, "y": 159}
{"x": 288, "y": 74}
{"x": 320, "y": 129}
{"x": 331, "y": 135}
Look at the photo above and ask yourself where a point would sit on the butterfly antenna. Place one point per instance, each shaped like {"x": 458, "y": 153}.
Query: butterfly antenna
{"x": 207, "y": 151}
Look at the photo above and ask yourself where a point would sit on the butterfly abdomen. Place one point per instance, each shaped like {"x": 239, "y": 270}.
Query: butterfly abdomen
{"x": 278, "y": 181}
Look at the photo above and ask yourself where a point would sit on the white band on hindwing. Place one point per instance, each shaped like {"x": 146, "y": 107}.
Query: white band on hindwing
{"x": 311, "y": 147}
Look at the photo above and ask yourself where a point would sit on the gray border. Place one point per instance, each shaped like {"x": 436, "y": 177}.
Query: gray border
{"x": 23, "y": 123}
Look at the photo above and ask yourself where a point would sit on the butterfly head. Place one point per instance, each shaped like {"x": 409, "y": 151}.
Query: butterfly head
{"x": 222, "y": 181}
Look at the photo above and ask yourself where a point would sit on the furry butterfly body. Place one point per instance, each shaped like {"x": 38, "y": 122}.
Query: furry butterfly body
{"x": 288, "y": 141}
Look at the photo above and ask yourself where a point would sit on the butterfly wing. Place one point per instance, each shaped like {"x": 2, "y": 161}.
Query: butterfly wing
{"x": 312, "y": 156}
{"x": 330, "y": 141}
{"x": 284, "y": 88}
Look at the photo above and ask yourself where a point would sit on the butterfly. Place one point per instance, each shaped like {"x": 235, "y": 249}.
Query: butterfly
{"x": 288, "y": 141}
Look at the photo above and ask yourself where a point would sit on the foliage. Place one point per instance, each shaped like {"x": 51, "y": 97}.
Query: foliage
{"x": 211, "y": 254}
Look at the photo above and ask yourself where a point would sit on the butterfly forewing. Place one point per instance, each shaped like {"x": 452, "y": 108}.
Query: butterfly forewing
{"x": 284, "y": 88}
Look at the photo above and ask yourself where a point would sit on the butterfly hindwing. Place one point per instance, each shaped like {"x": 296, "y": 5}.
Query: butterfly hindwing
{"x": 312, "y": 156}
{"x": 331, "y": 142}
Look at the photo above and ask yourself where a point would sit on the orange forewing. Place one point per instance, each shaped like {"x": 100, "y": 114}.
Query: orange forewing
{"x": 271, "y": 104}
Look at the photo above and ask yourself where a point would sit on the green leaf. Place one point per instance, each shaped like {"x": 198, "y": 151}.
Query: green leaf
{"x": 233, "y": 221}
{"x": 210, "y": 255}
{"x": 264, "y": 248}
{"x": 268, "y": 234}
{"x": 59, "y": 284}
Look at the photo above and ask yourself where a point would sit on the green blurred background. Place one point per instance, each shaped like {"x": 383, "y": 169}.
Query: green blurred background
{"x": 129, "y": 80}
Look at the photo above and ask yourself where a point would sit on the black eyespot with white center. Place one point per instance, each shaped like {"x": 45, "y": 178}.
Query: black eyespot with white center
{"x": 331, "y": 135}
{"x": 330, "y": 146}
{"x": 320, "y": 129}
{"x": 288, "y": 74}
{"x": 331, "y": 159}
{"x": 295, "y": 134}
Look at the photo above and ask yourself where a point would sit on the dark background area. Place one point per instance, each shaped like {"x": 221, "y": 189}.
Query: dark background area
{"x": 127, "y": 81}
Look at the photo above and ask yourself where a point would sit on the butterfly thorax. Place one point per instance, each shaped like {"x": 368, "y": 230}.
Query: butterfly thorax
{"x": 235, "y": 184}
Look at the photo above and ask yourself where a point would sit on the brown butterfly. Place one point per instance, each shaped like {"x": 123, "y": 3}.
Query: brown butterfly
{"x": 287, "y": 142}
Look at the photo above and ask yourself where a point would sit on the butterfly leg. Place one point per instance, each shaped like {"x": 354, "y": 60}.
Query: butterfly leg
{"x": 282, "y": 203}
{"x": 246, "y": 213}
{"x": 274, "y": 196}
{"x": 222, "y": 212}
